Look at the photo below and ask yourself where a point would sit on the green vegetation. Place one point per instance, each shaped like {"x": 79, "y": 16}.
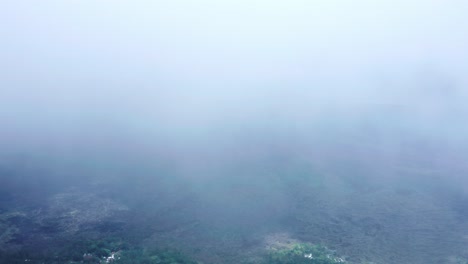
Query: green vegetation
{"x": 139, "y": 256}
{"x": 98, "y": 248}
{"x": 304, "y": 253}
{"x": 99, "y": 251}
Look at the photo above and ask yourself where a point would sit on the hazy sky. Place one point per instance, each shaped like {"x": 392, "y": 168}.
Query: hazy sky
{"x": 63, "y": 63}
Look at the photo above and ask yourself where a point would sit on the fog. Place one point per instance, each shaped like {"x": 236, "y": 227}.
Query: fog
{"x": 240, "y": 123}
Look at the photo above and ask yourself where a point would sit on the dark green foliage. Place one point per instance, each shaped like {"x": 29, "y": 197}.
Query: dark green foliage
{"x": 99, "y": 248}
{"x": 304, "y": 253}
{"x": 139, "y": 256}
{"x": 96, "y": 252}
{"x": 67, "y": 252}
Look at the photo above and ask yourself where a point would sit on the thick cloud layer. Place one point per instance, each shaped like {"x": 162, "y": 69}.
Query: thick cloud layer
{"x": 341, "y": 122}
